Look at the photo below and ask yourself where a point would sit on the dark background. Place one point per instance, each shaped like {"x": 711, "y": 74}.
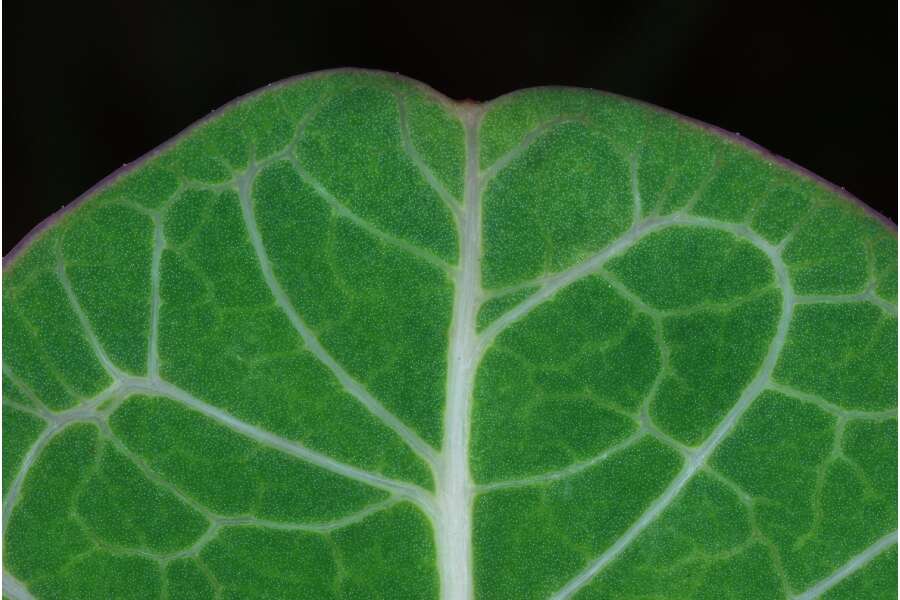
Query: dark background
{"x": 90, "y": 86}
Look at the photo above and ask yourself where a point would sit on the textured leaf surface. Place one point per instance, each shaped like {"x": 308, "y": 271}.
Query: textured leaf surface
{"x": 349, "y": 339}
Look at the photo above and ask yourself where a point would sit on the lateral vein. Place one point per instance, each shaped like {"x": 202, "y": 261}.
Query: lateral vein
{"x": 353, "y": 387}
{"x": 530, "y": 138}
{"x": 31, "y": 457}
{"x": 14, "y": 588}
{"x": 159, "y": 244}
{"x": 852, "y": 566}
{"x": 568, "y": 471}
{"x": 725, "y": 427}
{"x": 452, "y": 203}
{"x": 830, "y": 407}
{"x": 322, "y": 527}
{"x": 867, "y": 296}
{"x": 341, "y": 209}
{"x": 111, "y": 369}
{"x": 550, "y": 285}
{"x": 295, "y": 449}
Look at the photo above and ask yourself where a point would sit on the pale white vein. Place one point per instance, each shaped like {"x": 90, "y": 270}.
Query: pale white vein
{"x": 530, "y": 138}
{"x": 867, "y": 296}
{"x": 109, "y": 366}
{"x": 454, "y": 485}
{"x": 413, "y": 154}
{"x": 550, "y": 285}
{"x": 830, "y": 407}
{"x": 149, "y": 473}
{"x": 159, "y": 244}
{"x": 57, "y": 422}
{"x": 726, "y": 426}
{"x": 28, "y": 461}
{"x": 268, "y": 439}
{"x": 353, "y": 387}
{"x": 217, "y": 524}
{"x": 321, "y": 527}
{"x": 341, "y": 209}
{"x": 852, "y": 566}
{"x": 14, "y": 588}
{"x": 637, "y": 201}
{"x": 569, "y": 471}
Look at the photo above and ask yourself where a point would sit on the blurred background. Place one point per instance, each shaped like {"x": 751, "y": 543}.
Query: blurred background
{"x": 90, "y": 86}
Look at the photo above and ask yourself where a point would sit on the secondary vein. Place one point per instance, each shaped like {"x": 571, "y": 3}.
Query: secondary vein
{"x": 698, "y": 460}
{"x": 353, "y": 387}
{"x": 852, "y": 566}
{"x": 410, "y": 149}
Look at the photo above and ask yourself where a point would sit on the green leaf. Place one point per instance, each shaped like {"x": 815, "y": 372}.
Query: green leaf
{"x": 347, "y": 338}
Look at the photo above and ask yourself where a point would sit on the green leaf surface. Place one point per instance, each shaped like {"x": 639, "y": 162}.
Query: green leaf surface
{"x": 347, "y": 338}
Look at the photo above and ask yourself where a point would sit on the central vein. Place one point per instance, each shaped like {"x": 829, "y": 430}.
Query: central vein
{"x": 454, "y": 488}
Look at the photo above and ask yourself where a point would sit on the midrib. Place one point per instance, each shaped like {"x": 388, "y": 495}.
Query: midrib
{"x": 454, "y": 486}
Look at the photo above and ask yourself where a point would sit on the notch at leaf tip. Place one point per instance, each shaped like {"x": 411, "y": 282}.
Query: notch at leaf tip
{"x": 467, "y": 109}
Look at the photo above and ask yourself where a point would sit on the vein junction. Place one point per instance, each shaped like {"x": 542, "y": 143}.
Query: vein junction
{"x": 450, "y": 507}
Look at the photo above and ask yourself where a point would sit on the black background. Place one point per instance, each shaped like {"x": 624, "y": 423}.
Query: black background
{"x": 90, "y": 86}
